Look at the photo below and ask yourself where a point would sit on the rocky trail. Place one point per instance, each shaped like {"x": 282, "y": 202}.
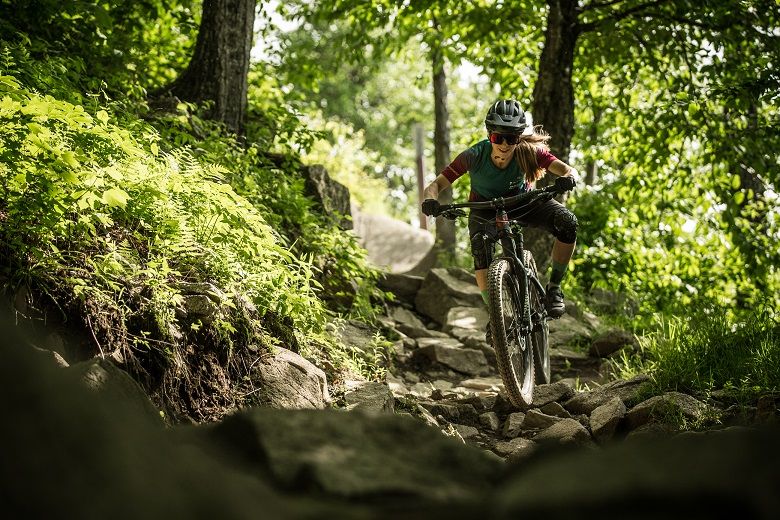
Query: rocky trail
{"x": 443, "y": 372}
{"x": 436, "y": 438}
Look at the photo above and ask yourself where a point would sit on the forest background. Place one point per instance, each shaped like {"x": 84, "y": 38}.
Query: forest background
{"x": 121, "y": 183}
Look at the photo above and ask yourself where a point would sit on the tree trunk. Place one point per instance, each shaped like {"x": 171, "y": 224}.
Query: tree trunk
{"x": 553, "y": 103}
{"x": 217, "y": 73}
{"x": 445, "y": 229}
{"x": 444, "y": 246}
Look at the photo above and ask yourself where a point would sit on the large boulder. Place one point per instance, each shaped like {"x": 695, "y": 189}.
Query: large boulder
{"x": 395, "y": 246}
{"x": 103, "y": 377}
{"x": 403, "y": 286}
{"x": 464, "y": 360}
{"x": 467, "y": 318}
{"x": 672, "y": 408}
{"x": 355, "y": 456}
{"x": 719, "y": 475}
{"x": 628, "y": 390}
{"x": 610, "y": 342}
{"x": 287, "y": 380}
{"x": 566, "y": 331}
{"x": 442, "y": 289}
{"x": 333, "y": 197}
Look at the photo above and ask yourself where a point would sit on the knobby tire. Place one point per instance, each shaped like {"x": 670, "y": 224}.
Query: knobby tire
{"x": 541, "y": 331}
{"x": 513, "y": 351}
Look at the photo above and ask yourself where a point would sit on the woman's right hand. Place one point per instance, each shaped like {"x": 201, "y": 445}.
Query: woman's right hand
{"x": 430, "y": 207}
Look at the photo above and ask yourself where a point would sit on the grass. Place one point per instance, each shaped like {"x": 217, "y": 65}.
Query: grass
{"x": 709, "y": 351}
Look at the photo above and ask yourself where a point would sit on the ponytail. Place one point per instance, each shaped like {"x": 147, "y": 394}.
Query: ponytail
{"x": 525, "y": 153}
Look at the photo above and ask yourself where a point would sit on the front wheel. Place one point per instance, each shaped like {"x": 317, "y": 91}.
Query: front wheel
{"x": 541, "y": 332}
{"x": 513, "y": 348}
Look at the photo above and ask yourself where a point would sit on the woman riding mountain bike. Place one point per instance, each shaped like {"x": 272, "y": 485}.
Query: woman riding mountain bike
{"x": 508, "y": 162}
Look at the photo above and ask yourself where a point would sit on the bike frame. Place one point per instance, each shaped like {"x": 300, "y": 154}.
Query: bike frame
{"x": 511, "y": 240}
{"x": 510, "y": 237}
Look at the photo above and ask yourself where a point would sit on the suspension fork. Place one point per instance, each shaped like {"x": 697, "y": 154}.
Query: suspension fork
{"x": 511, "y": 243}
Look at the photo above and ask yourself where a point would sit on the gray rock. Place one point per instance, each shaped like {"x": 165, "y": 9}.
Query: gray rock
{"x": 729, "y": 473}
{"x": 515, "y": 449}
{"x": 371, "y": 397}
{"x": 466, "y": 432}
{"x": 610, "y": 342}
{"x": 287, "y": 380}
{"x": 673, "y": 408}
{"x": 404, "y": 286}
{"x": 443, "y": 289}
{"x": 605, "y": 418}
{"x": 558, "y": 391}
{"x": 653, "y": 430}
{"x": 355, "y": 335}
{"x": 627, "y": 390}
{"x": 421, "y": 332}
{"x": 199, "y": 307}
{"x": 423, "y": 414}
{"x": 102, "y": 377}
{"x": 486, "y": 384}
{"x": 767, "y": 409}
{"x": 51, "y": 356}
{"x": 396, "y": 384}
{"x": 454, "y": 413}
{"x": 566, "y": 331}
{"x": 513, "y": 425}
{"x": 555, "y": 409}
{"x": 404, "y": 316}
{"x": 445, "y": 341}
{"x": 482, "y": 403}
{"x": 536, "y": 420}
{"x": 468, "y": 318}
{"x": 469, "y": 337}
{"x": 575, "y": 365}
{"x": 353, "y": 456}
{"x": 204, "y": 288}
{"x": 565, "y": 431}
{"x": 465, "y": 361}
{"x": 610, "y": 302}
{"x": 489, "y": 420}
{"x": 333, "y": 197}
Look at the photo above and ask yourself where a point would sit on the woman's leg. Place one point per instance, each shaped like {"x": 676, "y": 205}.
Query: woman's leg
{"x": 561, "y": 223}
{"x": 481, "y": 226}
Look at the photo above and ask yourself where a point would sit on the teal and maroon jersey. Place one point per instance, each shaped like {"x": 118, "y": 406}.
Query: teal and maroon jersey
{"x": 487, "y": 180}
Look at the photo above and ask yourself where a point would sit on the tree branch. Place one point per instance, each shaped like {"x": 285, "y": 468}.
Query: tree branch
{"x": 616, "y": 17}
{"x": 596, "y": 5}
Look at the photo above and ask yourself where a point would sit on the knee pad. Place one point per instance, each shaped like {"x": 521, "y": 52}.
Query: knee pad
{"x": 481, "y": 250}
{"x": 565, "y": 223}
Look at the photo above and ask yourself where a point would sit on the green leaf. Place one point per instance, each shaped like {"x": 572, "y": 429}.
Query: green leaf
{"x": 115, "y": 198}
{"x": 102, "y": 116}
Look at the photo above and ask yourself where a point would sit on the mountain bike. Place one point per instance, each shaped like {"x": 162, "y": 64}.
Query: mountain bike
{"x": 518, "y": 317}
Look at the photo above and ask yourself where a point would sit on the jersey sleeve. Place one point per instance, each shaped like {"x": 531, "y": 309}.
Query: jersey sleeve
{"x": 544, "y": 158}
{"x": 459, "y": 166}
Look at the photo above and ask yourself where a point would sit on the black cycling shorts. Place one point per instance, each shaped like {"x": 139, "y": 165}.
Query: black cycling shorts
{"x": 550, "y": 215}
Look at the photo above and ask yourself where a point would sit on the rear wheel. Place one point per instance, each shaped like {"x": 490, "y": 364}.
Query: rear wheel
{"x": 540, "y": 333}
{"x": 513, "y": 348}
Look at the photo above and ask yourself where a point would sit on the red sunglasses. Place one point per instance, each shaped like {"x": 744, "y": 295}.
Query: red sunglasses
{"x": 497, "y": 138}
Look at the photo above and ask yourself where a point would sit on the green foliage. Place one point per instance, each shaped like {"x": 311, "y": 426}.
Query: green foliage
{"x": 125, "y": 47}
{"x": 114, "y": 218}
{"x": 711, "y": 351}
{"x": 130, "y": 215}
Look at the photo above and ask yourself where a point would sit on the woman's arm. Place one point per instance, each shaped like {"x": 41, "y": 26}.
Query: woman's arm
{"x": 439, "y": 184}
{"x": 562, "y": 169}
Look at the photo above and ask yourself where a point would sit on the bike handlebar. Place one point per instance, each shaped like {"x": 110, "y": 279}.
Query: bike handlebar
{"x": 452, "y": 211}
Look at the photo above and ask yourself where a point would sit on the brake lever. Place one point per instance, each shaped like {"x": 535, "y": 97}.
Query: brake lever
{"x": 452, "y": 214}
